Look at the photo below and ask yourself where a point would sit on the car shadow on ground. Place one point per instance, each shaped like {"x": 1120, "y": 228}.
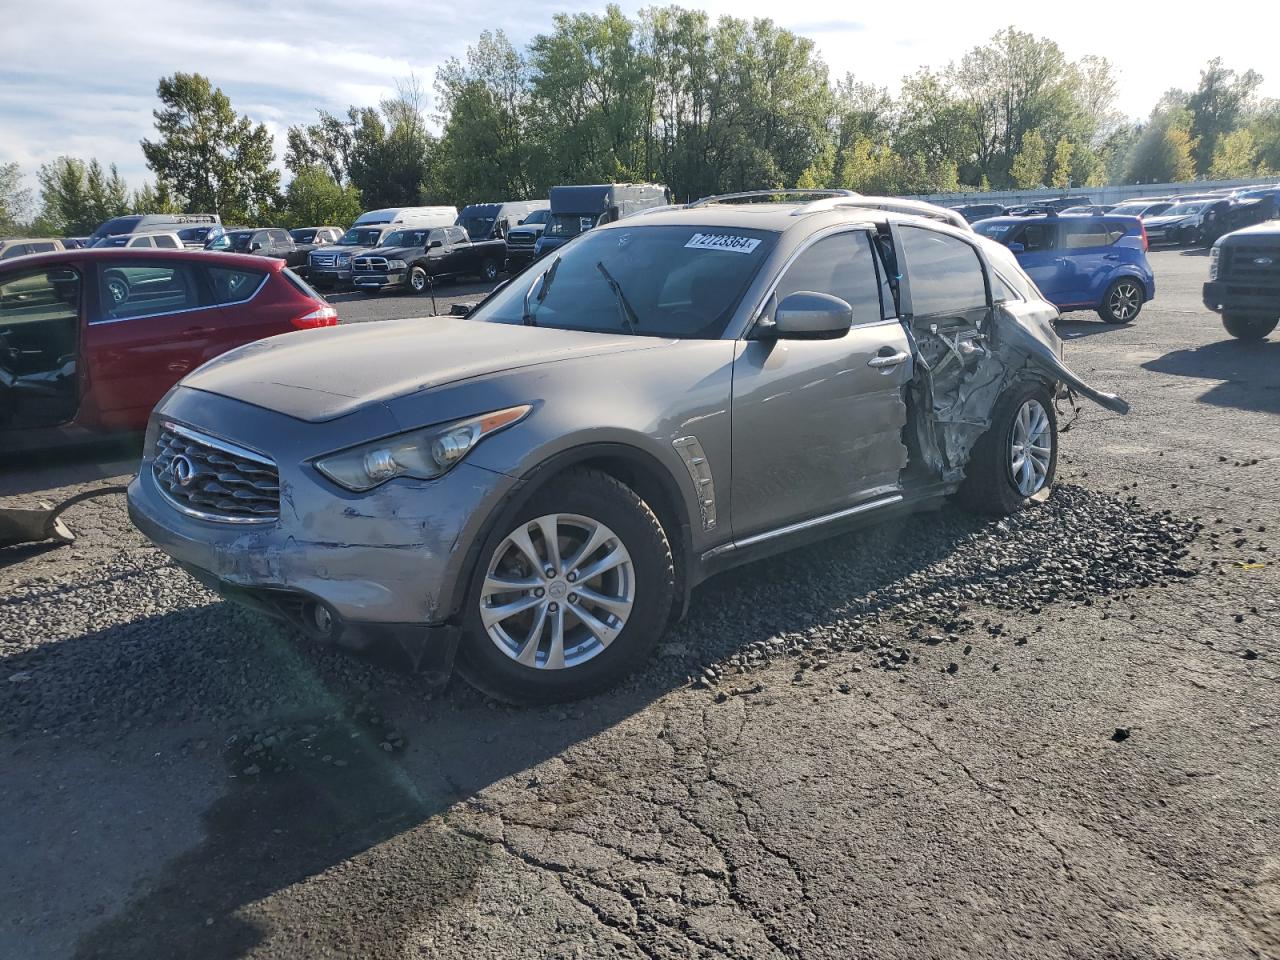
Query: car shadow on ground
{"x": 43, "y": 470}
{"x": 1247, "y": 372}
{"x": 1074, "y": 326}
{"x": 299, "y": 812}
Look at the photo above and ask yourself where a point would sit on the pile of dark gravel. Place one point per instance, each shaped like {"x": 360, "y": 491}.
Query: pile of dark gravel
{"x": 933, "y": 578}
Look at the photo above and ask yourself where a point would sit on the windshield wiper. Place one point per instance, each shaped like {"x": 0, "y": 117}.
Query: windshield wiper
{"x": 543, "y": 283}
{"x": 629, "y": 316}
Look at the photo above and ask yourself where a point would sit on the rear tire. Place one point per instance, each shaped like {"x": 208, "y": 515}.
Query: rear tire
{"x": 1123, "y": 301}
{"x": 517, "y": 659}
{"x": 1246, "y": 327}
{"x": 998, "y": 481}
{"x": 489, "y": 271}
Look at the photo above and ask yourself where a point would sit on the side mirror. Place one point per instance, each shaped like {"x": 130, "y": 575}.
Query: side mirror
{"x": 434, "y": 244}
{"x": 255, "y": 247}
{"x": 1017, "y": 248}
{"x": 811, "y": 316}
{"x": 461, "y": 309}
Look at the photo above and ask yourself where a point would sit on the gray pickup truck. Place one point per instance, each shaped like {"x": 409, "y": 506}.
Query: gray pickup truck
{"x": 417, "y": 257}
{"x": 1244, "y": 280}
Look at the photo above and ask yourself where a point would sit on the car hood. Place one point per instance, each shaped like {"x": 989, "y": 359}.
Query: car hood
{"x": 1268, "y": 230}
{"x": 391, "y": 253}
{"x": 1163, "y": 221}
{"x": 319, "y": 375}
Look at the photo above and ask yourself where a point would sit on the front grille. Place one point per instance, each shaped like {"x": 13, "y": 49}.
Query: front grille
{"x": 323, "y": 259}
{"x": 521, "y": 239}
{"x": 215, "y": 479}
{"x": 377, "y": 264}
{"x": 1239, "y": 263}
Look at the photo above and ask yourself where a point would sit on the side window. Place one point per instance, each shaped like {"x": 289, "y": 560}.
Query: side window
{"x": 143, "y": 241}
{"x": 1037, "y": 237}
{"x": 944, "y": 272}
{"x": 842, "y": 265}
{"x": 1114, "y": 232}
{"x": 165, "y": 242}
{"x": 17, "y": 250}
{"x": 48, "y": 295}
{"x": 133, "y": 288}
{"x": 435, "y": 235}
{"x": 1001, "y": 291}
{"x": 261, "y": 238}
{"x": 229, "y": 285}
{"x": 1084, "y": 233}
{"x": 45, "y": 247}
{"x": 457, "y": 235}
{"x": 278, "y": 236}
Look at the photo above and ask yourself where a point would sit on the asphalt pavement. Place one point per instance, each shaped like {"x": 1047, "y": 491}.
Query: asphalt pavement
{"x": 1051, "y": 736}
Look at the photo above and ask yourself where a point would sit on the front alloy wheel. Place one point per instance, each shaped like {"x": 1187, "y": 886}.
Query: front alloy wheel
{"x": 489, "y": 271}
{"x": 570, "y": 594}
{"x": 558, "y": 591}
{"x": 417, "y": 279}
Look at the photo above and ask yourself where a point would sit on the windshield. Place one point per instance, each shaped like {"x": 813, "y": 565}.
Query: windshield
{"x": 682, "y": 282}
{"x": 539, "y": 216}
{"x": 406, "y": 238}
{"x": 111, "y": 241}
{"x": 1130, "y": 209}
{"x": 361, "y": 237}
{"x": 195, "y": 234}
{"x": 569, "y": 224}
{"x": 477, "y": 227}
{"x": 994, "y": 231}
{"x": 303, "y": 236}
{"x": 1185, "y": 209}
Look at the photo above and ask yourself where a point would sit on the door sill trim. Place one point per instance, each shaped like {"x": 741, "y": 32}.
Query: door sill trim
{"x": 802, "y": 525}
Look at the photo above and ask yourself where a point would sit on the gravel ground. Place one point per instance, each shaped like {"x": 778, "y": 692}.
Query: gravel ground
{"x": 1048, "y": 736}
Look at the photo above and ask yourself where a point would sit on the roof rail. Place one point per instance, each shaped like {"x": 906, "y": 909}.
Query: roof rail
{"x": 919, "y": 208}
{"x": 759, "y": 194}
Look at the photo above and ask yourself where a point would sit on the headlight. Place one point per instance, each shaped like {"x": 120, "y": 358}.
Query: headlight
{"x": 396, "y": 265}
{"x": 1214, "y": 254}
{"x": 344, "y": 258}
{"x": 422, "y": 454}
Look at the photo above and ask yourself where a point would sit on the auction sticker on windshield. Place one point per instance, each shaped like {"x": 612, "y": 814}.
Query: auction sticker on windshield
{"x": 722, "y": 241}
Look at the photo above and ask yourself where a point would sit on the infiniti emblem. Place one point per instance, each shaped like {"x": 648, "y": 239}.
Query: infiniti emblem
{"x": 1263, "y": 261}
{"x": 184, "y": 471}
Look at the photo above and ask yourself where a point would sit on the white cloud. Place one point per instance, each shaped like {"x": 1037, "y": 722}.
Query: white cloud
{"x": 281, "y": 63}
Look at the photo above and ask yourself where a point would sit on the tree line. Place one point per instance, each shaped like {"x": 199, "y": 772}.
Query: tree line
{"x": 671, "y": 96}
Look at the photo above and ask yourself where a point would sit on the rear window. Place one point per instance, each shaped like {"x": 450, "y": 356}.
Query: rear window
{"x": 945, "y": 273}
{"x": 302, "y": 285}
{"x": 303, "y": 236}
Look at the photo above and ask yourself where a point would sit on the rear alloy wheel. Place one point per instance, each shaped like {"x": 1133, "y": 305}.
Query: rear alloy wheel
{"x": 571, "y": 597}
{"x": 1016, "y": 459}
{"x": 1244, "y": 326}
{"x": 489, "y": 271}
{"x": 417, "y": 279}
{"x": 1123, "y": 301}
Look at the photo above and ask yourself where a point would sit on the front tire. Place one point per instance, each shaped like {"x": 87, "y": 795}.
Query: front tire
{"x": 1017, "y": 458}
{"x": 1123, "y": 301}
{"x": 570, "y": 595}
{"x": 1245, "y": 327}
{"x": 489, "y": 271}
{"x": 418, "y": 280}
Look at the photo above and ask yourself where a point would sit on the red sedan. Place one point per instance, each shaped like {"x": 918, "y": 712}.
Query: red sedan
{"x": 90, "y": 340}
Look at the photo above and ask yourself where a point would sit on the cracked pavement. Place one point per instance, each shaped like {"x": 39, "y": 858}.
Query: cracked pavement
{"x": 1096, "y": 778}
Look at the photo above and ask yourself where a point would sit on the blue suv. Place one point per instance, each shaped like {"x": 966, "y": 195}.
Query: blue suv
{"x": 1081, "y": 262}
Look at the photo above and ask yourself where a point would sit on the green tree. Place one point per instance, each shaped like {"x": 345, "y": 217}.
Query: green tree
{"x": 391, "y": 149}
{"x": 14, "y": 197}
{"x": 1236, "y": 157}
{"x": 75, "y": 197}
{"x": 328, "y": 142}
{"x": 1217, "y": 106}
{"x": 218, "y": 161}
{"x": 1164, "y": 152}
{"x": 1062, "y": 169}
{"x": 151, "y": 198}
{"x": 1265, "y": 127}
{"x": 1029, "y": 164}
{"x": 314, "y": 199}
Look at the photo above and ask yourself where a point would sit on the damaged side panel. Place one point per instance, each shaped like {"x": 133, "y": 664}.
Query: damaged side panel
{"x": 963, "y": 368}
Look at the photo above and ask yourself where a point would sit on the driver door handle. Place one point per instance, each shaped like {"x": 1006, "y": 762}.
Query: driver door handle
{"x": 890, "y": 361}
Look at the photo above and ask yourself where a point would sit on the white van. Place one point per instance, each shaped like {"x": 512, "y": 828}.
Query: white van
{"x": 330, "y": 266}
{"x": 409, "y": 217}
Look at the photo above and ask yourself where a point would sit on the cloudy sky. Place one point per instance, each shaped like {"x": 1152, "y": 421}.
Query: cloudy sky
{"x": 79, "y": 77}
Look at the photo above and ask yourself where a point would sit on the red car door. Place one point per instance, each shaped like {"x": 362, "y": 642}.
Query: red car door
{"x": 149, "y": 325}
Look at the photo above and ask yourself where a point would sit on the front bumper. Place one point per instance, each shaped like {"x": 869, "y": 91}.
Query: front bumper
{"x": 1222, "y": 295}
{"x": 518, "y": 257}
{"x": 333, "y": 275}
{"x": 377, "y": 281}
{"x": 396, "y": 555}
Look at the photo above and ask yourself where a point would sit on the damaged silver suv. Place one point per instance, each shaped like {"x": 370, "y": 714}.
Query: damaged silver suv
{"x": 539, "y": 485}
